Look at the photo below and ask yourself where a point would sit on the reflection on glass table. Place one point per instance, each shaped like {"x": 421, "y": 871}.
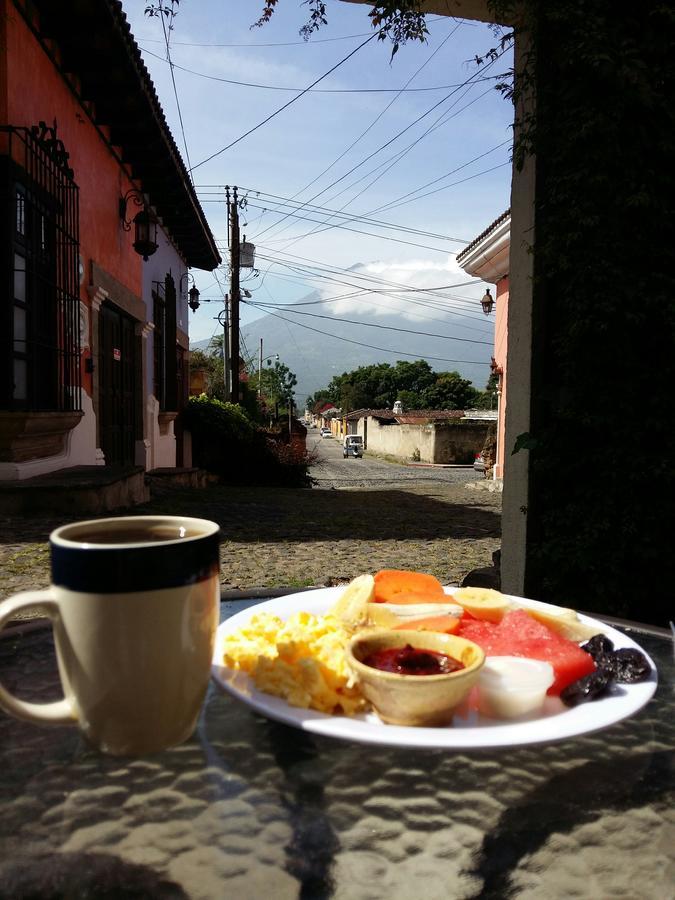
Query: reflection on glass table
{"x": 250, "y": 807}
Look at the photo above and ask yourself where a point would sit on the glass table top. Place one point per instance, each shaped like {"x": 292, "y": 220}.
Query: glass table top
{"x": 249, "y": 807}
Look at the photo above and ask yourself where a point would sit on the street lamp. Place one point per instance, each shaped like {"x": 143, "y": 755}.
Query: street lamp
{"x": 193, "y": 293}
{"x": 487, "y": 302}
{"x": 145, "y": 225}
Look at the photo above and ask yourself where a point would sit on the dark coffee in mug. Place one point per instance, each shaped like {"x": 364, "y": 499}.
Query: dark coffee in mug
{"x": 151, "y": 534}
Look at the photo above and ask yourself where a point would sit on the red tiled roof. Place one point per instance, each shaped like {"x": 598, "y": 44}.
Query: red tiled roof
{"x": 483, "y": 235}
{"x": 409, "y": 417}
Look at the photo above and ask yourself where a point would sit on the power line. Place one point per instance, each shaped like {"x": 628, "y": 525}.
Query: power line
{"x": 277, "y": 87}
{"x": 396, "y": 136}
{"x": 173, "y": 82}
{"x": 445, "y": 337}
{"x": 452, "y": 306}
{"x": 313, "y": 264}
{"x": 352, "y": 217}
{"x": 380, "y": 236}
{"x": 370, "y": 126}
{"x": 286, "y": 105}
{"x": 396, "y": 202}
{"x": 397, "y": 158}
{"x": 344, "y": 37}
{"x": 381, "y": 349}
{"x": 451, "y": 300}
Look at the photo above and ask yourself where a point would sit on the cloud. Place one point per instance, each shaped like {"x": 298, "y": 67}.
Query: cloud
{"x": 388, "y": 290}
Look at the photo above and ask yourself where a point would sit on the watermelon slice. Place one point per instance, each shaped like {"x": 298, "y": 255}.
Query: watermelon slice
{"x": 518, "y": 634}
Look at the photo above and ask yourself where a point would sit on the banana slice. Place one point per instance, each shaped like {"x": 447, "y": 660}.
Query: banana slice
{"x": 483, "y": 603}
{"x": 412, "y": 611}
{"x": 351, "y": 607}
{"x": 560, "y": 619}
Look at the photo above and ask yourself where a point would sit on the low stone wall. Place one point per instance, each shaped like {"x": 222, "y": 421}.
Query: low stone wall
{"x": 456, "y": 442}
{"x": 459, "y": 441}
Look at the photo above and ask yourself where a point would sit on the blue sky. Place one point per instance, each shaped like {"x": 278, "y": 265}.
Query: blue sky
{"x": 444, "y": 170}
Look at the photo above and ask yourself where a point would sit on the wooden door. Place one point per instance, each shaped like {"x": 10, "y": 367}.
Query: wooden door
{"x": 116, "y": 386}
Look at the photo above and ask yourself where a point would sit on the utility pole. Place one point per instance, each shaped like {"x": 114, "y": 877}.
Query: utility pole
{"x": 234, "y": 291}
{"x": 260, "y": 372}
{"x": 226, "y": 347}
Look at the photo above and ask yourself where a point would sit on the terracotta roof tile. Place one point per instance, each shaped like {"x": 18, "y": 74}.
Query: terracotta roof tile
{"x": 483, "y": 235}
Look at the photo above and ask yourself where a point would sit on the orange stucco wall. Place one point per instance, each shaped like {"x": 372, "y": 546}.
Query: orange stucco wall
{"x": 35, "y": 90}
{"x": 501, "y": 337}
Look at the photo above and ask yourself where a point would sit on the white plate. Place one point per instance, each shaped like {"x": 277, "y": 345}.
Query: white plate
{"x": 556, "y": 723}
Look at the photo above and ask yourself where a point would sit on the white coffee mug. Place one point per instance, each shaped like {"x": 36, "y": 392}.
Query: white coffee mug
{"x": 134, "y": 605}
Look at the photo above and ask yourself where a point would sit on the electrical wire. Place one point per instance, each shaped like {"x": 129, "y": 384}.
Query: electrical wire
{"x": 333, "y": 270}
{"x": 394, "y": 203}
{"x": 345, "y": 37}
{"x": 286, "y": 105}
{"x": 336, "y": 337}
{"x": 352, "y": 217}
{"x": 452, "y": 301}
{"x": 445, "y": 337}
{"x": 399, "y": 134}
{"x": 371, "y": 125}
{"x": 175, "y": 89}
{"x": 277, "y": 87}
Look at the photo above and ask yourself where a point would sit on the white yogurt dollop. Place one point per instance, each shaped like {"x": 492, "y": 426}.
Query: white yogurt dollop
{"x": 513, "y": 686}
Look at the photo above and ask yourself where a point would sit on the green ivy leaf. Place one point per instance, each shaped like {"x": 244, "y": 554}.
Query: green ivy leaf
{"x": 524, "y": 441}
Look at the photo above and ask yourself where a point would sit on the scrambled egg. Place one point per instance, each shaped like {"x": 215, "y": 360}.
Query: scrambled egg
{"x": 302, "y": 660}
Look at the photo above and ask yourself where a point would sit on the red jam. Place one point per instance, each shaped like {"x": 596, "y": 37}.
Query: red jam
{"x": 411, "y": 661}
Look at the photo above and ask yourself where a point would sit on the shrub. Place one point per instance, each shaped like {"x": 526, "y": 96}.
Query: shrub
{"x": 226, "y": 442}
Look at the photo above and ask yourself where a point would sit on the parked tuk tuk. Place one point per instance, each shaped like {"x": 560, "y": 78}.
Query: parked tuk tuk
{"x": 352, "y": 446}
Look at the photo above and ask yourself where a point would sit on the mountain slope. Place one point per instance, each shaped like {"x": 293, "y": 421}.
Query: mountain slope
{"x": 316, "y": 358}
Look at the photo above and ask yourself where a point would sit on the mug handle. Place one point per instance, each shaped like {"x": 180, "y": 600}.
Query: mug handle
{"x": 61, "y": 712}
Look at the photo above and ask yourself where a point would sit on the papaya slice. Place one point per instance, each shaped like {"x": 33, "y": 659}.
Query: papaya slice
{"x": 398, "y": 585}
{"x": 444, "y": 624}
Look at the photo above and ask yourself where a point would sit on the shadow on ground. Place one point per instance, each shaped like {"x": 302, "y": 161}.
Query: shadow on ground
{"x": 282, "y": 537}
{"x": 259, "y": 514}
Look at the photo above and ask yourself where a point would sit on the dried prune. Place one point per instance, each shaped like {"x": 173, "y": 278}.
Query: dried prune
{"x": 587, "y": 688}
{"x": 598, "y": 645}
{"x": 626, "y": 665}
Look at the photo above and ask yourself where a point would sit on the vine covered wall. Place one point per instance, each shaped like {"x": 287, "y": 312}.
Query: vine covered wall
{"x": 602, "y": 436}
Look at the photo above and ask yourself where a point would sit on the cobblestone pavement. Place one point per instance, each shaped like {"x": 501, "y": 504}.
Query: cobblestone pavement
{"x": 282, "y": 537}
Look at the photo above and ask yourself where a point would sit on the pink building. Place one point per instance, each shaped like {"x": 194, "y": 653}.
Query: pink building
{"x": 487, "y": 258}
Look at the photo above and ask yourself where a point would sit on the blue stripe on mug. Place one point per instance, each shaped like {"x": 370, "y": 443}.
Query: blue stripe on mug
{"x": 124, "y": 570}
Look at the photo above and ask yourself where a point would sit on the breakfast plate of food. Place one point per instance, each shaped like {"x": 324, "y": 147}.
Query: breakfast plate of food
{"x": 396, "y": 659}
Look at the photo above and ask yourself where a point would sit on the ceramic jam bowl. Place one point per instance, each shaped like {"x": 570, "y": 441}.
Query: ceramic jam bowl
{"x": 416, "y": 700}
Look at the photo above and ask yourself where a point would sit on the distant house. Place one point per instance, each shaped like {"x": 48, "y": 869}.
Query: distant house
{"x": 487, "y": 258}
{"x": 99, "y": 225}
{"x": 433, "y": 436}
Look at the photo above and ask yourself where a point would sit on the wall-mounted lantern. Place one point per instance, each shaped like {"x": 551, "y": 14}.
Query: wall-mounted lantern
{"x": 487, "y": 302}
{"x": 145, "y": 225}
{"x": 192, "y": 293}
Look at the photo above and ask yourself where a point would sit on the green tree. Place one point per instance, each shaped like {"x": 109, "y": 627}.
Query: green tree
{"x": 450, "y": 391}
{"x": 318, "y": 399}
{"x": 211, "y": 361}
{"x": 399, "y": 21}
{"x": 380, "y": 385}
{"x": 276, "y": 386}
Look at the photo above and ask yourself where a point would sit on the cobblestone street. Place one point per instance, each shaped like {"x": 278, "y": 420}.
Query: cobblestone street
{"x": 275, "y": 537}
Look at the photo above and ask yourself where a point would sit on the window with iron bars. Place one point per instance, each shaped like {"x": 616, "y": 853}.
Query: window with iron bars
{"x": 39, "y": 253}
